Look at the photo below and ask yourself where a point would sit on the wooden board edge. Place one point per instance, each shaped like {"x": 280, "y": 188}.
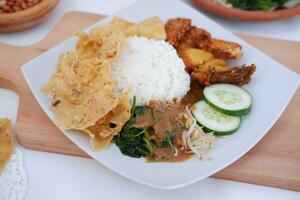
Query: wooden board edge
{"x": 51, "y": 149}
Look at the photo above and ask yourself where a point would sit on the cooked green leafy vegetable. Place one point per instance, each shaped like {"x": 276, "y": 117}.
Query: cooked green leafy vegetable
{"x": 257, "y": 4}
{"x": 133, "y": 141}
{"x": 139, "y": 110}
{"x": 167, "y": 141}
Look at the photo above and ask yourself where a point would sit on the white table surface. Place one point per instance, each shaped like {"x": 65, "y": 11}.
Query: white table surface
{"x": 54, "y": 176}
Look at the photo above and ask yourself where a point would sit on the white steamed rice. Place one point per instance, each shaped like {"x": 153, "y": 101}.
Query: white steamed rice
{"x": 151, "y": 69}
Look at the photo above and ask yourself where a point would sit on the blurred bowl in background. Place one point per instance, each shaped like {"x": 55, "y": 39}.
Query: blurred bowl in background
{"x": 23, "y": 19}
{"x": 246, "y": 15}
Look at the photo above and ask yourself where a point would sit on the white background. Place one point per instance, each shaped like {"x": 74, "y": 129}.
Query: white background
{"x": 54, "y": 176}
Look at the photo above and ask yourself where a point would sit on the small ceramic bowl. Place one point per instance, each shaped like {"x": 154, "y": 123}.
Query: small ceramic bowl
{"x": 10, "y": 22}
{"x": 246, "y": 15}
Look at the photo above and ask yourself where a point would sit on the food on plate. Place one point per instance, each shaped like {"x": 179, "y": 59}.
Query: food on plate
{"x": 103, "y": 42}
{"x": 102, "y": 132}
{"x": 195, "y": 57}
{"x": 201, "y": 39}
{"x": 121, "y": 24}
{"x": 194, "y": 94}
{"x": 201, "y": 60}
{"x": 235, "y": 75}
{"x": 213, "y": 121}
{"x": 74, "y": 88}
{"x": 6, "y": 142}
{"x": 132, "y": 141}
{"x": 195, "y": 36}
{"x": 221, "y": 109}
{"x": 163, "y": 131}
{"x": 218, "y": 65}
{"x": 151, "y": 69}
{"x": 150, "y": 88}
{"x": 205, "y": 57}
{"x": 176, "y": 29}
{"x": 222, "y": 49}
{"x": 228, "y": 99}
{"x": 151, "y": 28}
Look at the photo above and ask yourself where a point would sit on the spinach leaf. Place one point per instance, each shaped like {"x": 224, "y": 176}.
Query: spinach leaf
{"x": 133, "y": 141}
{"x": 257, "y": 4}
{"x": 139, "y": 111}
{"x": 266, "y": 5}
{"x": 167, "y": 141}
{"x": 133, "y": 107}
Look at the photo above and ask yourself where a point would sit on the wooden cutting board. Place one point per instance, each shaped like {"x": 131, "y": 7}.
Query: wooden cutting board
{"x": 274, "y": 161}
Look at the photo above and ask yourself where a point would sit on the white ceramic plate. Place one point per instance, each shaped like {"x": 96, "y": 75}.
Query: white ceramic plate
{"x": 272, "y": 87}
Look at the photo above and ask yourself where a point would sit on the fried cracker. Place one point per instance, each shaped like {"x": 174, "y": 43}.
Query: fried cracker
{"x": 151, "y": 28}
{"x": 75, "y": 90}
{"x": 111, "y": 124}
{"x": 6, "y": 144}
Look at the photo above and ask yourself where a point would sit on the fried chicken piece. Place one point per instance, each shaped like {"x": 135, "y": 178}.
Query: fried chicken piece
{"x": 182, "y": 50}
{"x": 195, "y": 35}
{"x": 221, "y": 49}
{"x": 198, "y": 59}
{"x": 201, "y": 38}
{"x": 188, "y": 43}
{"x": 205, "y": 57}
{"x": 176, "y": 30}
{"x": 183, "y": 36}
{"x": 194, "y": 57}
{"x": 218, "y": 65}
{"x": 226, "y": 50}
{"x": 236, "y": 75}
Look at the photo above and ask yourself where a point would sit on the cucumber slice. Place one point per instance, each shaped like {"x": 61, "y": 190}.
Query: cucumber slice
{"x": 228, "y": 99}
{"x": 213, "y": 120}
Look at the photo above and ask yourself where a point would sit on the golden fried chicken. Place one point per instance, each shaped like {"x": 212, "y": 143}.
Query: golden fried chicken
{"x": 236, "y": 75}
{"x": 176, "y": 29}
{"x": 218, "y": 65}
{"x": 182, "y": 35}
{"x": 195, "y": 34}
{"x": 188, "y": 43}
{"x": 205, "y": 57}
{"x": 197, "y": 56}
{"x": 201, "y": 38}
{"x": 198, "y": 59}
{"x": 221, "y": 49}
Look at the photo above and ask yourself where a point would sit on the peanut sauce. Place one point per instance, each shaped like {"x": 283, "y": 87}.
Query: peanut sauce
{"x": 165, "y": 122}
{"x": 194, "y": 94}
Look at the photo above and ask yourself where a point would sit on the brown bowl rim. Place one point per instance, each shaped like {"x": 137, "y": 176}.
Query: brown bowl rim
{"x": 246, "y": 15}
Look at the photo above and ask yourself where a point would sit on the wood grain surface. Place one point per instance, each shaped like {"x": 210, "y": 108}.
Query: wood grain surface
{"x": 274, "y": 161}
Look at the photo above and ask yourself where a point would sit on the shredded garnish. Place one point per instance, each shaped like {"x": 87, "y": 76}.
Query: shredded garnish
{"x": 195, "y": 138}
